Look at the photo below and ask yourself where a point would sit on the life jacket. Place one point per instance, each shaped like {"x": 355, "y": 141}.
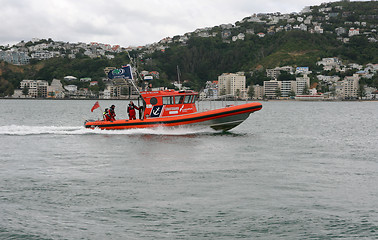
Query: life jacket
{"x": 132, "y": 107}
{"x": 106, "y": 116}
{"x": 111, "y": 114}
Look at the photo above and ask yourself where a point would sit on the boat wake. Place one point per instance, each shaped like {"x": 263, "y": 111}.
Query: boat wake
{"x": 16, "y": 130}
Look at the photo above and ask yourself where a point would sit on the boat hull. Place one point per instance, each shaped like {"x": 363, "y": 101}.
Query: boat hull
{"x": 219, "y": 119}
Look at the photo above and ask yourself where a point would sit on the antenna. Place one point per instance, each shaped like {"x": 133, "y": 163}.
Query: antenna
{"x": 136, "y": 70}
{"x": 178, "y": 77}
{"x": 133, "y": 63}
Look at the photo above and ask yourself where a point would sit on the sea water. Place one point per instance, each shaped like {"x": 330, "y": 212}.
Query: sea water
{"x": 294, "y": 170}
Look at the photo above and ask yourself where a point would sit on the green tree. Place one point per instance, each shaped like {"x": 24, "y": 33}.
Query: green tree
{"x": 305, "y": 90}
{"x": 251, "y": 92}
{"x": 291, "y": 93}
{"x": 278, "y": 92}
{"x": 285, "y": 76}
{"x": 361, "y": 91}
{"x": 257, "y": 77}
{"x": 9, "y": 91}
{"x": 237, "y": 93}
{"x": 95, "y": 89}
{"x": 374, "y": 81}
{"x": 39, "y": 93}
{"x": 6, "y": 89}
{"x": 25, "y": 91}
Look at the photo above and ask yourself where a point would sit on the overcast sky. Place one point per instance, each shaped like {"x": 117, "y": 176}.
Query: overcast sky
{"x": 126, "y": 22}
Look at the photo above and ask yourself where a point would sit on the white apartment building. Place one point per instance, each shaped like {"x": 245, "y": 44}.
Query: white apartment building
{"x": 36, "y": 88}
{"x": 17, "y": 58}
{"x": 338, "y": 87}
{"x": 115, "y": 91}
{"x": 287, "y": 87}
{"x": 350, "y": 86}
{"x": 329, "y": 63}
{"x": 301, "y": 84}
{"x": 275, "y": 72}
{"x": 232, "y": 83}
{"x": 259, "y": 91}
{"x": 29, "y": 84}
{"x": 42, "y": 88}
{"x": 270, "y": 88}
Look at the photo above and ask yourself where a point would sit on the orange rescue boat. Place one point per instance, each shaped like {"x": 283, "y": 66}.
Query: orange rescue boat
{"x": 171, "y": 108}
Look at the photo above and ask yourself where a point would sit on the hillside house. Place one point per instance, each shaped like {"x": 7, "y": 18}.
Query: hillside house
{"x": 353, "y": 32}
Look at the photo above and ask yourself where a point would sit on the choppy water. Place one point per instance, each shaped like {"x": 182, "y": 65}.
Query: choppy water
{"x": 294, "y": 170}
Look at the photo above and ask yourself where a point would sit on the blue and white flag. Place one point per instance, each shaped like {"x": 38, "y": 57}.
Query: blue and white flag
{"x": 124, "y": 72}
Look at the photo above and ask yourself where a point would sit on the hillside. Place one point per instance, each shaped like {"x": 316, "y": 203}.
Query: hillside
{"x": 204, "y": 58}
{"x": 255, "y": 43}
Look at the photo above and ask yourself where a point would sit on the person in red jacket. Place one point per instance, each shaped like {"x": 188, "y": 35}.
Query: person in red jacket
{"x": 131, "y": 110}
{"x": 111, "y": 113}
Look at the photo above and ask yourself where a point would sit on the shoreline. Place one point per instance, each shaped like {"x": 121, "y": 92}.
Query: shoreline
{"x": 65, "y": 99}
{"x": 136, "y": 98}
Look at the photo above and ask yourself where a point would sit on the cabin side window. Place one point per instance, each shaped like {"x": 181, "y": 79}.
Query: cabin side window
{"x": 167, "y": 100}
{"x": 194, "y": 98}
{"x": 179, "y": 99}
{"x": 188, "y": 99}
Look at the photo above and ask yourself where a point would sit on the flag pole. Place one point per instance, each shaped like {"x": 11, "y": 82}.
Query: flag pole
{"x": 102, "y": 112}
{"x": 101, "y": 109}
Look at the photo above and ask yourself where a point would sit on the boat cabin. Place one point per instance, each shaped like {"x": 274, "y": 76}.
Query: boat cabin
{"x": 168, "y": 103}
